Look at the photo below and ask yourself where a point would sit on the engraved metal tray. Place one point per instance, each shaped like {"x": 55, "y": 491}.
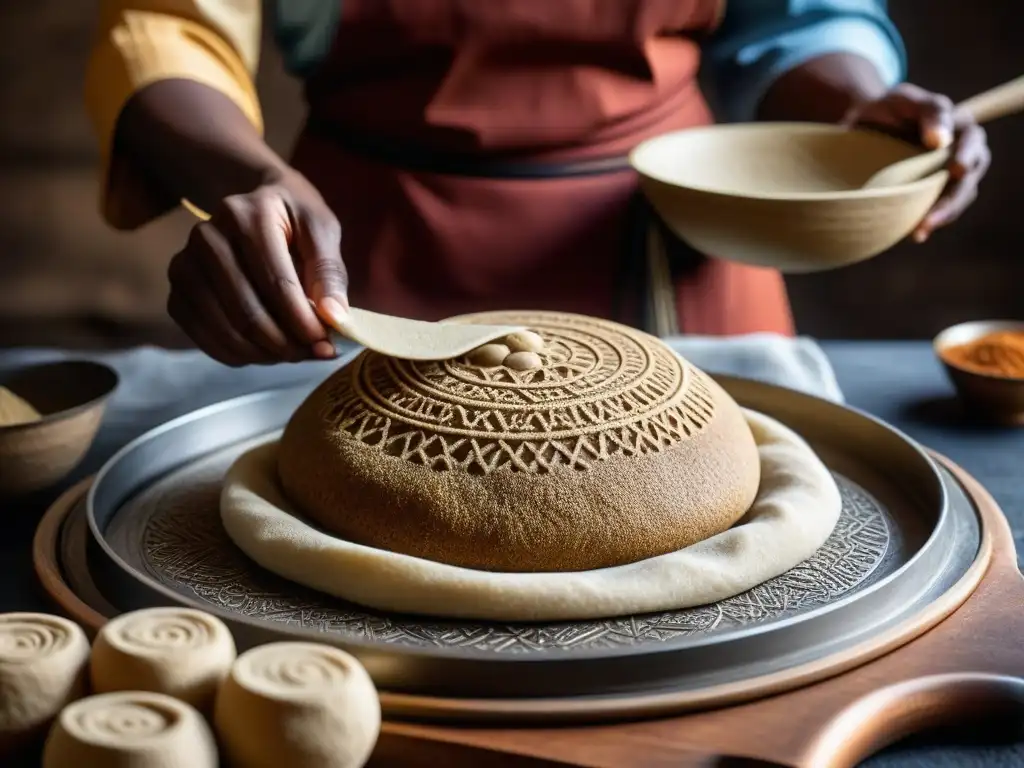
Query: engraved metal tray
{"x": 151, "y": 535}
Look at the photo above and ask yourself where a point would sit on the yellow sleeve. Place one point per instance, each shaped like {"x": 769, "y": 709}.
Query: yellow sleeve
{"x": 213, "y": 42}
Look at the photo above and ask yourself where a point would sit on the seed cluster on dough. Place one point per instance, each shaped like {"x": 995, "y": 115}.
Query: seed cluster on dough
{"x": 167, "y": 691}
{"x": 519, "y": 351}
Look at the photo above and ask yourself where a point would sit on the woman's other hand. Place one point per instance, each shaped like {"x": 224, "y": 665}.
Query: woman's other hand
{"x": 241, "y": 286}
{"x": 930, "y": 119}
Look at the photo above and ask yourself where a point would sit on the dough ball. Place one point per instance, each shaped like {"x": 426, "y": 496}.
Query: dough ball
{"x": 130, "y": 728}
{"x": 15, "y": 410}
{"x": 181, "y": 652}
{"x": 523, "y": 361}
{"x": 43, "y": 667}
{"x": 524, "y": 341}
{"x": 302, "y": 705}
{"x": 488, "y": 356}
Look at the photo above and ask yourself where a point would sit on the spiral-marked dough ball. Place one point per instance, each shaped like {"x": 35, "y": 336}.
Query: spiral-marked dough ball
{"x": 302, "y": 705}
{"x": 178, "y": 651}
{"x": 43, "y": 667}
{"x": 130, "y": 728}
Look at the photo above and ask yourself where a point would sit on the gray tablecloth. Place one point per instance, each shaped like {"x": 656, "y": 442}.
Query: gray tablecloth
{"x": 900, "y": 382}
{"x": 157, "y": 385}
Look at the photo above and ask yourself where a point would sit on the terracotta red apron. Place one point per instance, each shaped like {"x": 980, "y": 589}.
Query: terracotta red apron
{"x": 475, "y": 153}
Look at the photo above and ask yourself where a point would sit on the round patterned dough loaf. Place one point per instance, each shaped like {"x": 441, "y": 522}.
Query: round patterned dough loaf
{"x": 612, "y": 451}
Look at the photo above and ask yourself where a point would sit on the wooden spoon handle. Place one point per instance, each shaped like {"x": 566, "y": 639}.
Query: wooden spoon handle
{"x": 1002, "y": 101}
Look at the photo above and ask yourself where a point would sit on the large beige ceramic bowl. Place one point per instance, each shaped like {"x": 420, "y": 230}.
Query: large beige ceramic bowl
{"x": 783, "y": 195}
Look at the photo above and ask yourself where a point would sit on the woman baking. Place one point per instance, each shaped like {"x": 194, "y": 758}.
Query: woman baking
{"x": 471, "y": 151}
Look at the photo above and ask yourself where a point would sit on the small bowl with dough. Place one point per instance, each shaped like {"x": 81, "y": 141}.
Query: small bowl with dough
{"x": 49, "y": 416}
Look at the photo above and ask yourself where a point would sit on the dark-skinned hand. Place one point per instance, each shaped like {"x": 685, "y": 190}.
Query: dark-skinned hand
{"x": 914, "y": 114}
{"x": 240, "y": 288}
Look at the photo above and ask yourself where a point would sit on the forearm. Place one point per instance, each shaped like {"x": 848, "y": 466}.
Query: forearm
{"x": 808, "y": 60}
{"x": 192, "y": 142}
{"x": 823, "y": 89}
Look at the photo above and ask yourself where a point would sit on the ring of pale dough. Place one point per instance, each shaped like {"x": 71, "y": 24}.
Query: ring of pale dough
{"x": 796, "y": 509}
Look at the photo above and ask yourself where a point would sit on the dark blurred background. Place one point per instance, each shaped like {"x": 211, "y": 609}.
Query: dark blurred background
{"x": 67, "y": 280}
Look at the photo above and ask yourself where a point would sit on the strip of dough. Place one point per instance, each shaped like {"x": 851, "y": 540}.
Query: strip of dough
{"x": 796, "y": 509}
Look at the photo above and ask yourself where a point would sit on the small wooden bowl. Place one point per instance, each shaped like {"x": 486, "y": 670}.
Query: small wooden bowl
{"x": 782, "y": 195}
{"x": 72, "y": 397}
{"x": 999, "y": 399}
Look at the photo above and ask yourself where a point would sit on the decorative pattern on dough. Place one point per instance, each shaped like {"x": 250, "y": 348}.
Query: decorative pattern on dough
{"x": 602, "y": 390}
{"x": 131, "y": 728}
{"x": 166, "y": 630}
{"x": 302, "y": 670}
{"x": 129, "y": 716}
{"x": 28, "y": 638}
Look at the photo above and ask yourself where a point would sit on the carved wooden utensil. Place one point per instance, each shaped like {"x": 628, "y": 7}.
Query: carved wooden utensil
{"x": 413, "y": 339}
{"x": 1001, "y": 101}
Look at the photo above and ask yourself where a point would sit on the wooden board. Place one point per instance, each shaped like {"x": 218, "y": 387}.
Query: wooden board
{"x": 46, "y": 560}
{"x": 956, "y": 670}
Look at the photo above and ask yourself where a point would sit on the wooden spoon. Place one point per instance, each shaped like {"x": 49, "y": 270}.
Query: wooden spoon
{"x": 1001, "y": 101}
{"x": 412, "y": 339}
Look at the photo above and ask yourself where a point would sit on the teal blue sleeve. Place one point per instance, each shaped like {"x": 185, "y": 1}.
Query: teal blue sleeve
{"x": 760, "y": 40}
{"x": 304, "y": 31}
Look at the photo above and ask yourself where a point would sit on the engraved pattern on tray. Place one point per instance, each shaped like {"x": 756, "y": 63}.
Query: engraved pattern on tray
{"x": 172, "y": 532}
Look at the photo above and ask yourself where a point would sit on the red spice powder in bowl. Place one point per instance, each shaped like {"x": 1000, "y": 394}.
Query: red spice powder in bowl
{"x": 998, "y": 353}
{"x": 985, "y": 362}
